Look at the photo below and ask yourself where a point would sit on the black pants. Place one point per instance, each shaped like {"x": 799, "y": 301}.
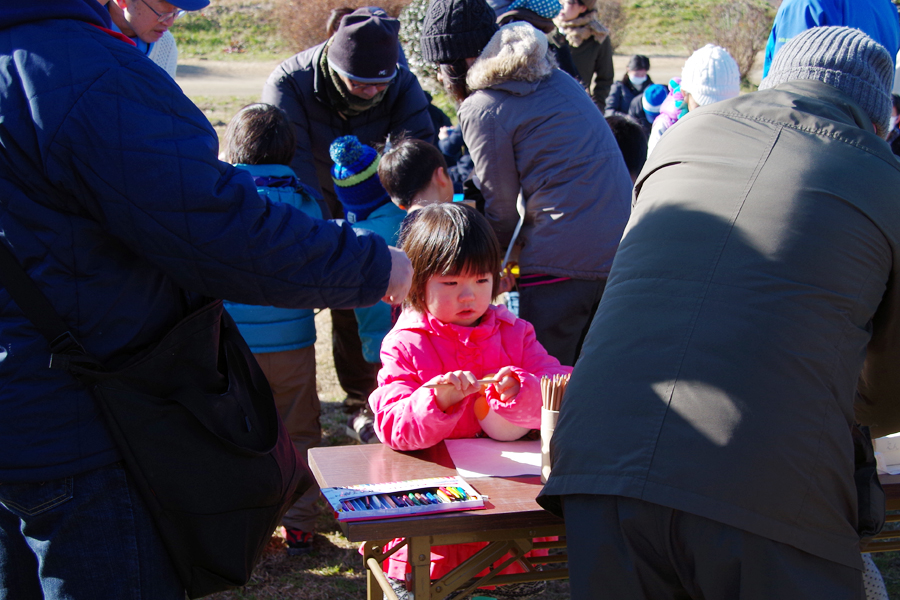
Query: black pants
{"x": 357, "y": 377}
{"x": 626, "y": 549}
{"x": 561, "y": 314}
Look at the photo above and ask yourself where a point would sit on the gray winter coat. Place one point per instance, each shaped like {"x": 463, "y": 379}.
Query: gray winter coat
{"x": 548, "y": 139}
{"x": 296, "y": 87}
{"x": 759, "y": 275}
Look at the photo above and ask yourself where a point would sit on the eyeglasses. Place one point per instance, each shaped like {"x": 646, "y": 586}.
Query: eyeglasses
{"x": 163, "y": 17}
{"x": 358, "y": 85}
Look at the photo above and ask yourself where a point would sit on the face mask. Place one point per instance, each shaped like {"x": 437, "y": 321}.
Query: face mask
{"x": 637, "y": 81}
{"x": 893, "y": 123}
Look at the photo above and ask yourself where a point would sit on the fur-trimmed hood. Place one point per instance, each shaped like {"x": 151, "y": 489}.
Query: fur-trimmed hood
{"x": 517, "y": 52}
{"x": 582, "y": 28}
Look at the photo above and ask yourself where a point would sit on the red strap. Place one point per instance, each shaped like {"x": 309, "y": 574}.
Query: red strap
{"x": 116, "y": 34}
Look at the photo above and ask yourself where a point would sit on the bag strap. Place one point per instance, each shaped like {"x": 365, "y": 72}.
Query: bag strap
{"x": 37, "y": 308}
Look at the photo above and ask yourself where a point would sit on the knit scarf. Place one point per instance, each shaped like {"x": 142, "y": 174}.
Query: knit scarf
{"x": 339, "y": 96}
{"x": 582, "y": 28}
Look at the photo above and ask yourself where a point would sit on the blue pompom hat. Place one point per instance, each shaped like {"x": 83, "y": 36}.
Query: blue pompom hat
{"x": 355, "y": 176}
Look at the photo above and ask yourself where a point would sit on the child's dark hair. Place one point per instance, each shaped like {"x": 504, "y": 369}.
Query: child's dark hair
{"x": 632, "y": 142}
{"x": 259, "y": 134}
{"x": 407, "y": 168}
{"x": 448, "y": 239}
{"x": 895, "y": 102}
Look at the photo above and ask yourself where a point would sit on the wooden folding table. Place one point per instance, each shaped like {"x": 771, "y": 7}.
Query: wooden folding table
{"x": 510, "y": 522}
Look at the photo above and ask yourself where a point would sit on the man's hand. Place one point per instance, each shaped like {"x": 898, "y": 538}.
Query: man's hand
{"x": 401, "y": 277}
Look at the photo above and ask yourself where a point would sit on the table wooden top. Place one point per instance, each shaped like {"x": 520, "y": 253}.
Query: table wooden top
{"x": 510, "y": 504}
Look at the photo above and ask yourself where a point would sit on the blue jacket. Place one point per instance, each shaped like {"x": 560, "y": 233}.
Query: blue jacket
{"x": 876, "y": 18}
{"x": 113, "y": 200}
{"x": 266, "y": 328}
{"x": 374, "y": 322}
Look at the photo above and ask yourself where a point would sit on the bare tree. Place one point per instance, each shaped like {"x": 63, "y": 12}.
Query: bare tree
{"x": 611, "y": 14}
{"x": 740, "y": 26}
{"x": 303, "y": 21}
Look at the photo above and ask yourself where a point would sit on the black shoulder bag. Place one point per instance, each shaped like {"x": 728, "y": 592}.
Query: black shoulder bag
{"x": 196, "y": 424}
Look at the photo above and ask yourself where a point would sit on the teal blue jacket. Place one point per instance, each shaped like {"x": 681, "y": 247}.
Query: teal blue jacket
{"x": 375, "y": 321}
{"x": 266, "y": 328}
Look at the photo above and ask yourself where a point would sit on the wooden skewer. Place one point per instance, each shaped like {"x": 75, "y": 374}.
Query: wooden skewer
{"x": 480, "y": 381}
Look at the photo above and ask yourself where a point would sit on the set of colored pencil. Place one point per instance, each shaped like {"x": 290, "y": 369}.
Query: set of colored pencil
{"x": 552, "y": 390}
{"x": 441, "y": 495}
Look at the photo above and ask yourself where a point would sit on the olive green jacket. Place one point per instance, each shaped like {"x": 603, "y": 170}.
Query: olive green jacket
{"x": 757, "y": 279}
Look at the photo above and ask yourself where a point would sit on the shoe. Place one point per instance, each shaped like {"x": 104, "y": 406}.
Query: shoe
{"x": 353, "y": 404}
{"x": 299, "y": 542}
{"x": 361, "y": 427}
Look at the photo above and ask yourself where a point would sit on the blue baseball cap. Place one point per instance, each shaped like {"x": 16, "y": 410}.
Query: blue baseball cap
{"x": 189, "y": 4}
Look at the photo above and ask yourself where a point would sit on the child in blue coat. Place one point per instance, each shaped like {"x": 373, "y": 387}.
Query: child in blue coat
{"x": 260, "y": 139}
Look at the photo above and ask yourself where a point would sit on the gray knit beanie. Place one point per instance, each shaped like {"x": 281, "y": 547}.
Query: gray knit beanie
{"x": 844, "y": 58}
{"x": 456, "y": 29}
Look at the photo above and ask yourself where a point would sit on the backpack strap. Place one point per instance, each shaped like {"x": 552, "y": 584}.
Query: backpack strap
{"x": 37, "y": 308}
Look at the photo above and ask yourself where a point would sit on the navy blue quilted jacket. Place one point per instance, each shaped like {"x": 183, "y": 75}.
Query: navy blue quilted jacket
{"x": 113, "y": 200}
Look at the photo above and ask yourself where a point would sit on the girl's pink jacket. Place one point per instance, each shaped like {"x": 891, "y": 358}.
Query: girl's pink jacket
{"x": 420, "y": 347}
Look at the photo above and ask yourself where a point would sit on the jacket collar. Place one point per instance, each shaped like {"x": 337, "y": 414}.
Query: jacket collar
{"x": 412, "y": 320}
{"x": 817, "y": 98}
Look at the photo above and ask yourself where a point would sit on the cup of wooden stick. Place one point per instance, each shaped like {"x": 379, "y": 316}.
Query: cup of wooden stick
{"x": 552, "y": 390}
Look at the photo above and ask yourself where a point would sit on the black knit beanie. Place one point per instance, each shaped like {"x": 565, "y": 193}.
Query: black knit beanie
{"x": 365, "y": 46}
{"x": 457, "y": 29}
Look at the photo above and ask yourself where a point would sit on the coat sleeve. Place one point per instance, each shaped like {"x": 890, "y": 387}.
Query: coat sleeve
{"x": 525, "y": 408}
{"x": 146, "y": 171}
{"x": 406, "y": 414}
{"x": 604, "y": 74}
{"x": 283, "y": 90}
{"x": 494, "y": 156}
{"x": 613, "y": 100}
{"x": 410, "y": 113}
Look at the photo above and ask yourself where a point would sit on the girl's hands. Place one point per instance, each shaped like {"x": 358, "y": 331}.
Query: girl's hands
{"x": 507, "y": 384}
{"x": 453, "y": 387}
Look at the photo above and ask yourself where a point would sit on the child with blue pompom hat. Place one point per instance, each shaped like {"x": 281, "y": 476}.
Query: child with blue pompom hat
{"x": 366, "y": 206}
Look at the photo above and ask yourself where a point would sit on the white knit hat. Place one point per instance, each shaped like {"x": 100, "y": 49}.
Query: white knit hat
{"x": 710, "y": 75}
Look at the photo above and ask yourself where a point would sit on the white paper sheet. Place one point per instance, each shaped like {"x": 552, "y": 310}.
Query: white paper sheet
{"x": 887, "y": 453}
{"x": 484, "y": 457}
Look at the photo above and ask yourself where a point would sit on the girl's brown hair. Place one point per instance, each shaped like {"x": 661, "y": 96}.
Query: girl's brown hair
{"x": 448, "y": 239}
{"x": 259, "y": 134}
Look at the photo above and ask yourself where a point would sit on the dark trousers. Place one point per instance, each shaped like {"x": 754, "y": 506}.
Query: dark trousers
{"x": 292, "y": 377}
{"x": 357, "y": 377}
{"x": 89, "y": 536}
{"x": 626, "y": 549}
{"x": 561, "y": 314}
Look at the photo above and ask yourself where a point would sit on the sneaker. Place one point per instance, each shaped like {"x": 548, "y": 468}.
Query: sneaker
{"x": 353, "y": 404}
{"x": 299, "y": 542}
{"x": 361, "y": 427}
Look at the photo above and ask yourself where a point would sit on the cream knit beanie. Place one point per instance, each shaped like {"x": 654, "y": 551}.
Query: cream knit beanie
{"x": 710, "y": 75}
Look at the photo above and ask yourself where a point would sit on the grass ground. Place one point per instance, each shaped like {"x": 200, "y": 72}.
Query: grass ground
{"x": 231, "y": 29}
{"x": 220, "y": 109}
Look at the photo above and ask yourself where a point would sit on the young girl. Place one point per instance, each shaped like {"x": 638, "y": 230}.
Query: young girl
{"x": 449, "y": 333}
